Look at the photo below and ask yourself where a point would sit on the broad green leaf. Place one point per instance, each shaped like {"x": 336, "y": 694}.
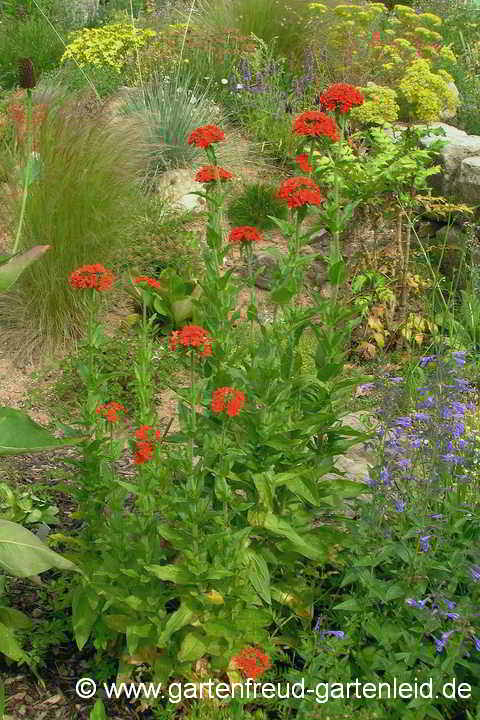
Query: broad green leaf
{"x": 9, "y": 646}
{"x": 259, "y": 575}
{"x": 176, "y": 620}
{"x": 14, "y": 619}
{"x": 98, "y": 712}
{"x": 281, "y": 527}
{"x": 193, "y": 648}
{"x": 23, "y": 554}
{"x": 19, "y": 434}
{"x": 350, "y": 604}
{"x": 172, "y": 573}
{"x": 11, "y": 270}
{"x": 119, "y": 623}
{"x": 83, "y": 616}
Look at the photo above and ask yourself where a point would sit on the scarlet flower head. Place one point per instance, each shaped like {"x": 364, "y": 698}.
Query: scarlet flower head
{"x": 191, "y": 336}
{"x": 341, "y": 97}
{"x": 206, "y": 135}
{"x": 144, "y": 453}
{"x": 145, "y": 436}
{"x": 376, "y": 38}
{"x": 94, "y": 277}
{"x": 148, "y": 281}
{"x": 244, "y": 233}
{"x": 229, "y": 399}
{"x": 316, "y": 124}
{"x": 252, "y": 661}
{"x": 299, "y": 191}
{"x": 109, "y": 411}
{"x": 302, "y": 161}
{"x": 210, "y": 173}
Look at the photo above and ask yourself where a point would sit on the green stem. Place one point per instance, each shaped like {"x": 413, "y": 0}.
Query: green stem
{"x": 26, "y": 182}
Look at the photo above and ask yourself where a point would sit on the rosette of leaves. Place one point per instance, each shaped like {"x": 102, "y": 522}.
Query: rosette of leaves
{"x": 254, "y": 205}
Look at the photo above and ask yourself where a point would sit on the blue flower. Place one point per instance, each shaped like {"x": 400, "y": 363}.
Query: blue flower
{"x": 404, "y": 421}
{"x": 477, "y": 642}
{"x": 334, "y": 633}
{"x": 423, "y": 417}
{"x": 424, "y": 544}
{"x": 396, "y": 379}
{"x": 420, "y": 604}
{"x": 443, "y": 640}
{"x": 458, "y": 429}
{"x": 426, "y": 360}
{"x": 451, "y": 458}
{"x": 399, "y": 505}
{"x": 459, "y": 358}
{"x": 475, "y": 572}
{"x": 385, "y": 476}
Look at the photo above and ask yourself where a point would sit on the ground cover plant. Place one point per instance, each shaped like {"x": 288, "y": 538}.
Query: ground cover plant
{"x": 182, "y": 496}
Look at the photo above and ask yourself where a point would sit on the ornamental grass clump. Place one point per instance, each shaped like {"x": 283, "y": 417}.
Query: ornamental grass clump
{"x": 83, "y": 202}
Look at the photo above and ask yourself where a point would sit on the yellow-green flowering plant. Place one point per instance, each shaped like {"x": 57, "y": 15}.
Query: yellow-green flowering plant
{"x": 110, "y": 46}
{"x": 425, "y": 93}
{"x": 380, "y": 106}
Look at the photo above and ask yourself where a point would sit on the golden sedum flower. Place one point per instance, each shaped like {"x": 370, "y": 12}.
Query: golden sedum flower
{"x": 106, "y": 46}
{"x": 428, "y": 35}
{"x": 317, "y": 7}
{"x": 379, "y": 108}
{"x": 430, "y": 17}
{"x": 446, "y": 53}
{"x": 427, "y": 93}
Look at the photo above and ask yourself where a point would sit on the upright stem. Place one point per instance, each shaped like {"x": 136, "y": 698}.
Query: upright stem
{"x": 26, "y": 182}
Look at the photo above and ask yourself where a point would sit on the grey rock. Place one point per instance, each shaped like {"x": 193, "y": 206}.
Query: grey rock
{"x": 268, "y": 267}
{"x": 176, "y": 187}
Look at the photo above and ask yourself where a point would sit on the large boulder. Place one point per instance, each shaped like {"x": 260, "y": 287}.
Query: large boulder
{"x": 459, "y": 160}
{"x": 177, "y": 186}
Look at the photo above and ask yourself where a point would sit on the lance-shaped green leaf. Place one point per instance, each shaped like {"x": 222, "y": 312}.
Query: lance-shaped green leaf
{"x": 19, "y": 434}
{"x": 22, "y": 554}
{"x": 12, "y": 268}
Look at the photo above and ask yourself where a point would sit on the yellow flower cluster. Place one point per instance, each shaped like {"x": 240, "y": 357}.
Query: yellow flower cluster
{"x": 379, "y": 108}
{"x": 108, "y": 46}
{"x": 425, "y": 92}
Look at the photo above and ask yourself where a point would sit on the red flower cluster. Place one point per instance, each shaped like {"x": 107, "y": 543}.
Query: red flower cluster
{"x": 94, "y": 277}
{"x": 376, "y": 38}
{"x": 342, "y": 97}
{"x": 191, "y": 336}
{"x": 252, "y": 661}
{"x": 109, "y": 411}
{"x": 302, "y": 161}
{"x": 209, "y": 173}
{"x": 292, "y": 191}
{"x": 150, "y": 281}
{"x": 16, "y": 112}
{"x": 317, "y": 124}
{"x": 144, "y": 446}
{"x": 244, "y": 233}
{"x": 204, "y": 136}
{"x": 229, "y": 399}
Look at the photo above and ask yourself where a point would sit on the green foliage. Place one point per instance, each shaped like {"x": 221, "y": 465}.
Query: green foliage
{"x": 93, "y": 168}
{"x": 30, "y": 37}
{"x": 254, "y": 205}
{"x": 110, "y": 45}
{"x": 25, "y": 507}
{"x": 266, "y": 19}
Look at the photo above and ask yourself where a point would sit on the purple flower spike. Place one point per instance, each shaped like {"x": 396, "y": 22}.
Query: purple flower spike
{"x": 475, "y": 572}
{"x": 399, "y": 505}
{"x": 477, "y": 642}
{"x": 424, "y": 544}
{"x": 426, "y": 360}
{"x": 334, "y": 633}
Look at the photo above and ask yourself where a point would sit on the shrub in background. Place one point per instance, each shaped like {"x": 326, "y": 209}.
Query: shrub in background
{"x": 110, "y": 45}
{"x": 83, "y": 204}
{"x": 29, "y": 37}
